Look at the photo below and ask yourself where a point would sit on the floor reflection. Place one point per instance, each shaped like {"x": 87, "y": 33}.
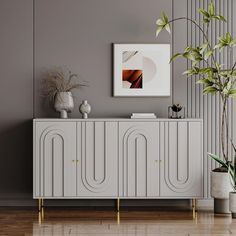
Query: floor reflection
{"x": 135, "y": 223}
{"x": 59, "y": 221}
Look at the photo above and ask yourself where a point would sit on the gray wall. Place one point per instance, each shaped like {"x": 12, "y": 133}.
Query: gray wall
{"x": 79, "y": 34}
{"x": 16, "y": 97}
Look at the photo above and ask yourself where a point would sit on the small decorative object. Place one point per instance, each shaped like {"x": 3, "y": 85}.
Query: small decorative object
{"x": 176, "y": 111}
{"x": 64, "y": 103}
{"x": 141, "y": 70}
{"x": 85, "y": 109}
{"x": 57, "y": 86}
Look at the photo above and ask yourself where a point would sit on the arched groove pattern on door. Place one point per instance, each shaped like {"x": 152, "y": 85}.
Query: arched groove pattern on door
{"x": 95, "y": 161}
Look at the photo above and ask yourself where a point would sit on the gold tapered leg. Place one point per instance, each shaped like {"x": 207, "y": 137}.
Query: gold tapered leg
{"x": 194, "y": 208}
{"x": 40, "y": 210}
{"x": 42, "y": 214}
{"x": 118, "y": 205}
{"x": 39, "y": 204}
{"x": 39, "y": 218}
{"x": 118, "y": 218}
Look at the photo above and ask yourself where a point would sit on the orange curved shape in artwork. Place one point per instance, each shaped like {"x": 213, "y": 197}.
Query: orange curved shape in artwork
{"x": 135, "y": 77}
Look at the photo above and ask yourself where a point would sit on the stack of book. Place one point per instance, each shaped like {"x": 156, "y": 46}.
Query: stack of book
{"x": 143, "y": 116}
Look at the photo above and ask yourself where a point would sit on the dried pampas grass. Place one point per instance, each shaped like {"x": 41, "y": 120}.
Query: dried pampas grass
{"x": 59, "y": 80}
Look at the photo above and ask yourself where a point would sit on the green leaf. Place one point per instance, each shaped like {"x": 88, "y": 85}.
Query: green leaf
{"x": 167, "y": 27}
{"x": 203, "y": 47}
{"x": 225, "y": 41}
{"x": 159, "y": 29}
{"x": 194, "y": 71}
{"x": 234, "y": 148}
{"x": 218, "y": 66}
{"x": 228, "y": 37}
{"x": 219, "y": 17}
{"x": 188, "y": 72}
{"x": 217, "y": 46}
{"x": 232, "y": 43}
{"x": 160, "y": 22}
{"x": 175, "y": 56}
{"x": 208, "y": 54}
{"x": 221, "y": 45}
{"x": 189, "y": 56}
{"x": 205, "y": 70}
{"x": 224, "y": 74}
{"x": 187, "y": 49}
{"x": 206, "y": 20}
{"x": 227, "y": 87}
{"x": 217, "y": 159}
{"x": 194, "y": 63}
{"x": 211, "y": 9}
{"x": 205, "y": 81}
{"x": 165, "y": 18}
{"x": 204, "y": 13}
{"x": 163, "y": 23}
{"x": 210, "y": 89}
{"x": 232, "y": 93}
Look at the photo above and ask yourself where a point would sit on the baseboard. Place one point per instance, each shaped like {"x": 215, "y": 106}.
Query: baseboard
{"x": 26, "y": 200}
{"x": 205, "y": 204}
{"x": 17, "y": 200}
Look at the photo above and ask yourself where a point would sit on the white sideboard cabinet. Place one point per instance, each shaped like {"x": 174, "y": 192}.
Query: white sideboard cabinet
{"x": 118, "y": 158}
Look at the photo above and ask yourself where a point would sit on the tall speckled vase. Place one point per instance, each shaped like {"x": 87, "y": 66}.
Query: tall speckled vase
{"x": 85, "y": 109}
{"x": 64, "y": 103}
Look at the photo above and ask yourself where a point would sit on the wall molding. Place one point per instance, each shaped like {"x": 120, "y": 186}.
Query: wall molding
{"x": 207, "y": 107}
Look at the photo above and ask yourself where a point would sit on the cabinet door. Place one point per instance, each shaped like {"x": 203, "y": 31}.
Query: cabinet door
{"x": 97, "y": 154}
{"x": 139, "y": 159}
{"x": 55, "y": 159}
{"x": 181, "y": 159}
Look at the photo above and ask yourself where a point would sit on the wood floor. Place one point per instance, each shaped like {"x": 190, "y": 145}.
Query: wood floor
{"x": 61, "y": 221}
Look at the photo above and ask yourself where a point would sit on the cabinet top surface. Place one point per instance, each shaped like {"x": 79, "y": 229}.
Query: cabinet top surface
{"x": 115, "y": 119}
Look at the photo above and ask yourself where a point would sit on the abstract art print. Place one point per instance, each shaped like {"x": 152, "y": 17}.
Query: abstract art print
{"x": 141, "y": 70}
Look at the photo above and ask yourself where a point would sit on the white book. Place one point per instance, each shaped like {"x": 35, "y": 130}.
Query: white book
{"x": 143, "y": 115}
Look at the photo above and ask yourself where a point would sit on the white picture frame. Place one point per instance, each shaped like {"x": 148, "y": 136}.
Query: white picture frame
{"x": 141, "y": 70}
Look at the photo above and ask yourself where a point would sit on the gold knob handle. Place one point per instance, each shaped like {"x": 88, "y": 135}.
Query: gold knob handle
{"x": 75, "y": 161}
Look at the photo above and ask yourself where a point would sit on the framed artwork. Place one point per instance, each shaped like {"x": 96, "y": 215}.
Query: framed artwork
{"x": 141, "y": 70}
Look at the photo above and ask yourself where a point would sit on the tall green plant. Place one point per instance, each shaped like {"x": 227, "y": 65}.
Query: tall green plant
{"x": 214, "y": 76}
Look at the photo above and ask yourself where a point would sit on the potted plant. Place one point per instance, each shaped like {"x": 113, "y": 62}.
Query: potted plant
{"x": 216, "y": 78}
{"x": 57, "y": 86}
{"x": 232, "y": 195}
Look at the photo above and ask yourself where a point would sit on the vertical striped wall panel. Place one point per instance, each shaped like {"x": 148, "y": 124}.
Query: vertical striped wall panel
{"x": 206, "y": 106}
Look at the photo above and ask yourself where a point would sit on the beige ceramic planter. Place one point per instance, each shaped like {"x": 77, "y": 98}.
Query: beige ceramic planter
{"x": 220, "y": 188}
{"x": 232, "y": 203}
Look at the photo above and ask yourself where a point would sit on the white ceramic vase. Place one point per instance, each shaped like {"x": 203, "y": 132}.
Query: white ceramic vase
{"x": 85, "y": 109}
{"x": 232, "y": 203}
{"x": 64, "y": 103}
{"x": 220, "y": 188}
